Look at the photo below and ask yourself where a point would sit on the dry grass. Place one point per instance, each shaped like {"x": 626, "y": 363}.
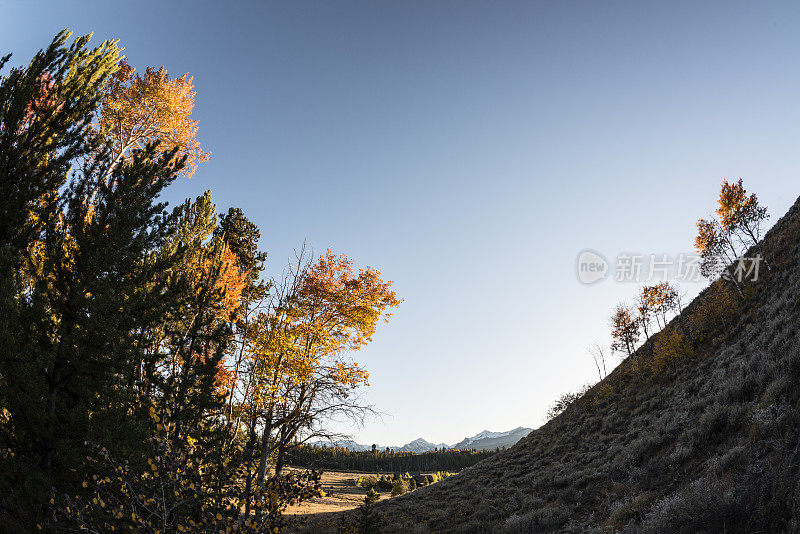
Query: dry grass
{"x": 341, "y": 495}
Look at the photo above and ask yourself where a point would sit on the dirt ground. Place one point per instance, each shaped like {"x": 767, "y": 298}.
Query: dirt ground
{"x": 341, "y": 494}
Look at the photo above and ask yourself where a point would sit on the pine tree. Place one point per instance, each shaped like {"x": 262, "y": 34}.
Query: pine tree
{"x": 74, "y": 270}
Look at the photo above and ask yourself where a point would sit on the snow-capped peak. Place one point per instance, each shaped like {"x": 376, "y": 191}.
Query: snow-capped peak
{"x": 488, "y": 434}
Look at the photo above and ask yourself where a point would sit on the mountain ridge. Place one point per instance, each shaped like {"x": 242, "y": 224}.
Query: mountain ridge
{"x": 493, "y": 440}
{"x": 481, "y": 441}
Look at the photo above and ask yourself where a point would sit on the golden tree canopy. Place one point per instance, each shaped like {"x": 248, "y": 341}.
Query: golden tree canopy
{"x": 734, "y": 204}
{"x": 140, "y": 109}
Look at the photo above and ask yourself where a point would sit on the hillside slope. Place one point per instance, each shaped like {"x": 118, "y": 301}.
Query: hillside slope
{"x": 708, "y": 443}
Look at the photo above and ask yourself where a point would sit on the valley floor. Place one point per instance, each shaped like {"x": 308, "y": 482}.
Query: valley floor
{"x": 322, "y": 513}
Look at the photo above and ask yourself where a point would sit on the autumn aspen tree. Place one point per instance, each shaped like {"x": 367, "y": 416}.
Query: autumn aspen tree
{"x": 624, "y": 330}
{"x": 724, "y": 241}
{"x": 741, "y": 214}
{"x": 140, "y": 109}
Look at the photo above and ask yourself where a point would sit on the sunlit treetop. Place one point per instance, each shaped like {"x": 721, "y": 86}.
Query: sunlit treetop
{"x": 739, "y": 211}
{"x": 346, "y": 306}
{"x": 138, "y": 109}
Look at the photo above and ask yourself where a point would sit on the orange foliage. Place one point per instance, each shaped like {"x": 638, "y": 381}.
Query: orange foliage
{"x": 624, "y": 330}
{"x": 230, "y": 282}
{"x": 331, "y": 310}
{"x": 350, "y": 374}
{"x": 707, "y": 236}
{"x": 224, "y": 377}
{"x": 139, "y": 109}
{"x": 345, "y": 307}
{"x": 734, "y": 204}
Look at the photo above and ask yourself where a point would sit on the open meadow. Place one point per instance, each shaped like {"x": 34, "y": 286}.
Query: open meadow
{"x": 340, "y": 495}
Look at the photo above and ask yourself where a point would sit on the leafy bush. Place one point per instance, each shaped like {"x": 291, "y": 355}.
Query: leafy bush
{"x": 368, "y": 481}
{"x": 399, "y": 487}
{"x": 671, "y": 345}
{"x": 382, "y": 482}
{"x": 440, "y": 475}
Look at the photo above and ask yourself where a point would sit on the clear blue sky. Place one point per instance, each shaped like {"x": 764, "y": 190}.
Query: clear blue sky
{"x": 470, "y": 150}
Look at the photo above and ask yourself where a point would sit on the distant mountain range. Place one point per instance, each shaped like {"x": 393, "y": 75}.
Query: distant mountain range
{"x": 420, "y": 445}
{"x": 492, "y": 440}
{"x": 480, "y": 441}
